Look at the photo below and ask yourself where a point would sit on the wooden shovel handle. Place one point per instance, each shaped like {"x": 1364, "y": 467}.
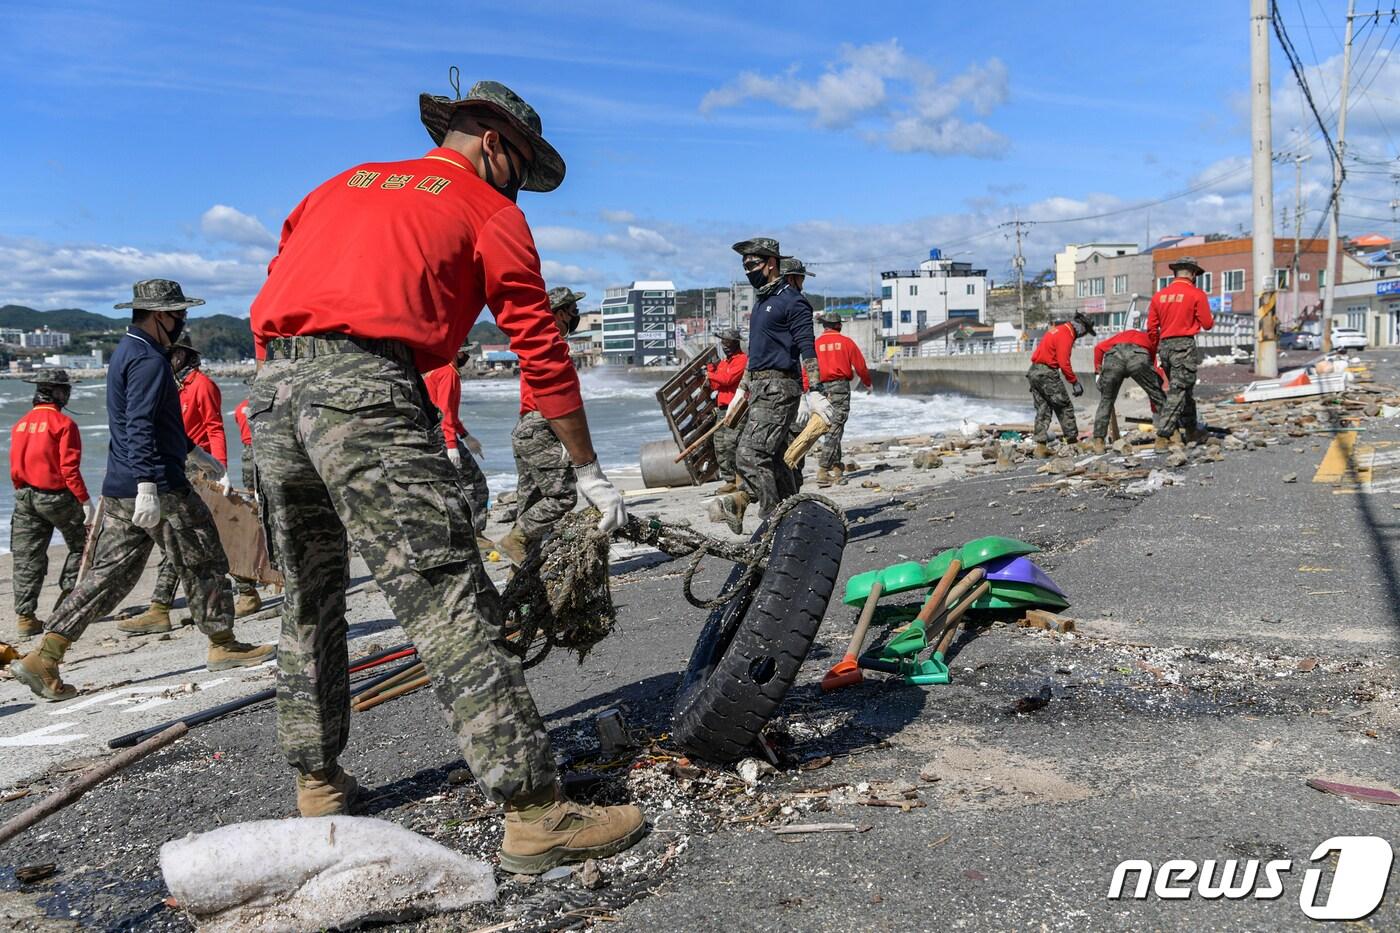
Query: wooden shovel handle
{"x": 940, "y": 592}
{"x": 955, "y": 617}
{"x": 867, "y": 613}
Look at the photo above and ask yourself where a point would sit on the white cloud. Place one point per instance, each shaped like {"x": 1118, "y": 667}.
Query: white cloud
{"x": 222, "y": 223}
{"x": 893, "y": 98}
{"x": 617, "y": 217}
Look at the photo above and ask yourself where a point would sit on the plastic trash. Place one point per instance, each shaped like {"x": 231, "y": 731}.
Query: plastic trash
{"x": 1145, "y": 487}
{"x": 971, "y": 429}
{"x": 320, "y": 873}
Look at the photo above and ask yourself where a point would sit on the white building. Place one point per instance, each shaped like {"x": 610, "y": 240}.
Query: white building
{"x": 43, "y": 339}
{"x": 639, "y": 323}
{"x": 92, "y": 360}
{"x": 1073, "y": 253}
{"x": 913, "y": 300}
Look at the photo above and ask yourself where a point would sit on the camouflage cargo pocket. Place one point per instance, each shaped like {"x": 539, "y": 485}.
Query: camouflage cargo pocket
{"x": 430, "y": 510}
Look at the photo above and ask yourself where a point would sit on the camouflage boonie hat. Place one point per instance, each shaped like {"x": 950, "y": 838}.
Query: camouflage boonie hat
{"x": 559, "y": 296}
{"x": 185, "y": 343}
{"x": 758, "y": 246}
{"x": 545, "y": 171}
{"x": 830, "y": 317}
{"x": 1186, "y": 262}
{"x": 50, "y": 377}
{"x": 159, "y": 295}
{"x": 1084, "y": 322}
{"x": 793, "y": 266}
{"x": 729, "y": 335}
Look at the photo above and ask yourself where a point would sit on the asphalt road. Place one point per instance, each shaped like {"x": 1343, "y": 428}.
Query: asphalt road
{"x": 1237, "y": 637}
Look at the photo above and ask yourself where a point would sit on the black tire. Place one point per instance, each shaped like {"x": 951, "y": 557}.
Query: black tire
{"x": 751, "y": 648}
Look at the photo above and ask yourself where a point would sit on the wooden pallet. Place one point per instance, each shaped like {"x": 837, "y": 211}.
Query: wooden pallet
{"x": 689, "y": 406}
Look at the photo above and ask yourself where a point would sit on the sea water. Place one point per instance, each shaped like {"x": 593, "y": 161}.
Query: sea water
{"x": 623, "y": 414}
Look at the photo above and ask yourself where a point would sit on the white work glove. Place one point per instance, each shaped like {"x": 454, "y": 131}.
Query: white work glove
{"x": 89, "y": 512}
{"x": 821, "y": 405}
{"x": 455, "y": 456}
{"x": 147, "y": 511}
{"x": 473, "y": 445}
{"x": 602, "y": 495}
{"x": 804, "y": 411}
{"x": 206, "y": 462}
{"x": 1096, "y": 380}
{"x": 226, "y": 484}
{"x": 734, "y": 405}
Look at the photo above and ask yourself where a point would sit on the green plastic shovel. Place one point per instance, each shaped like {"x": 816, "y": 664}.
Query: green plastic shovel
{"x": 1004, "y": 595}
{"x": 978, "y": 551}
{"x": 896, "y": 578}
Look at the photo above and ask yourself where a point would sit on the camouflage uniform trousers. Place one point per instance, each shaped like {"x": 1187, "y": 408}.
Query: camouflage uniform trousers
{"x": 478, "y": 493}
{"x": 1126, "y": 361}
{"x": 37, "y": 514}
{"x": 726, "y": 443}
{"x": 119, "y": 552}
{"x": 350, "y": 456}
{"x": 838, "y": 392}
{"x": 1050, "y": 396}
{"x": 773, "y": 399}
{"x": 169, "y": 574}
{"x": 1178, "y": 358}
{"x": 547, "y": 490}
{"x": 249, "y": 471}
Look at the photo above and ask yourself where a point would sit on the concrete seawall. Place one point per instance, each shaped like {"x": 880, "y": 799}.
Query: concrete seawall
{"x": 984, "y": 375}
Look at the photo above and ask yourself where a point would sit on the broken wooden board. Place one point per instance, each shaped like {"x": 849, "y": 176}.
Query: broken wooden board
{"x": 240, "y": 530}
{"x": 689, "y": 406}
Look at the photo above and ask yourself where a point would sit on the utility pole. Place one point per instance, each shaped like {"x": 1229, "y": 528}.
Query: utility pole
{"x": 1261, "y": 158}
{"x": 1338, "y": 170}
{"x": 1294, "y": 267}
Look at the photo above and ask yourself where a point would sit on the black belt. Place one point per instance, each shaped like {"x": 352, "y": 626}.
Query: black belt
{"x": 37, "y": 489}
{"x": 312, "y": 346}
{"x": 774, "y": 374}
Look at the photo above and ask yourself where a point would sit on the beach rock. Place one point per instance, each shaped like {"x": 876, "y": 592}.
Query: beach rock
{"x": 928, "y": 460}
{"x": 1231, "y": 442}
{"x": 1176, "y": 458}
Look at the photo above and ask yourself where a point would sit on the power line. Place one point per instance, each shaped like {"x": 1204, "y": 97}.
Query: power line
{"x": 1296, "y": 65}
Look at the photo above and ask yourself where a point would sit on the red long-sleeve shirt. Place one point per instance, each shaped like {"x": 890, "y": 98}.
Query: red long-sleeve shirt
{"x": 1136, "y": 337}
{"x": 411, "y": 251}
{"x": 840, "y": 359}
{"x": 202, "y": 407}
{"x": 46, "y": 452}
{"x": 725, "y": 377}
{"x": 245, "y": 430}
{"x": 1179, "y": 310}
{"x": 445, "y": 391}
{"x": 1054, "y": 350}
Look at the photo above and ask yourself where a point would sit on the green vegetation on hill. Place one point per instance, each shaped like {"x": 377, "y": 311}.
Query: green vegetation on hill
{"x": 69, "y": 320}
{"x": 487, "y": 332}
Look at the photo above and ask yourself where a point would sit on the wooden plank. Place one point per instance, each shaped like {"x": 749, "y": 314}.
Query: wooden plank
{"x": 240, "y": 530}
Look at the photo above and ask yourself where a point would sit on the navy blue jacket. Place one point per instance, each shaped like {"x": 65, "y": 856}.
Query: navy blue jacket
{"x": 148, "y": 442}
{"x": 780, "y": 331}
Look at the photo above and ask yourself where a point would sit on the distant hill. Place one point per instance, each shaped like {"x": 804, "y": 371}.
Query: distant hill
{"x": 487, "y": 332}
{"x": 222, "y": 337}
{"x": 71, "y": 320}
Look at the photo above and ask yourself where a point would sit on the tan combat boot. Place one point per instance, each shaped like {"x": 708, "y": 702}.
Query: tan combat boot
{"x": 326, "y": 793}
{"x": 540, "y": 836}
{"x": 1042, "y": 451}
{"x": 1097, "y": 446}
{"x": 514, "y": 546}
{"x": 822, "y": 478}
{"x": 226, "y": 653}
{"x": 246, "y": 603}
{"x": 730, "y": 510}
{"x": 1178, "y": 442}
{"x": 1161, "y": 444}
{"x": 28, "y": 625}
{"x": 727, "y": 488}
{"x": 155, "y": 620}
{"x": 837, "y": 475}
{"x": 38, "y": 670}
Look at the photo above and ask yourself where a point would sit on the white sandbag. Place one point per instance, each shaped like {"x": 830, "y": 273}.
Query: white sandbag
{"x": 325, "y": 872}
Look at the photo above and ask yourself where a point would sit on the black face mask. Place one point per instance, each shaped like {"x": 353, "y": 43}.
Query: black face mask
{"x": 511, "y": 189}
{"x": 172, "y": 334}
{"x": 757, "y": 277}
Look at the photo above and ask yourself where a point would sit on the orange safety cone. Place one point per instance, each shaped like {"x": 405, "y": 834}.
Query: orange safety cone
{"x": 846, "y": 673}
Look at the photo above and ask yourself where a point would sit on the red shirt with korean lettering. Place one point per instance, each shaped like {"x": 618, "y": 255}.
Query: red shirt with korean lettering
{"x": 725, "y": 377}
{"x": 445, "y": 391}
{"x": 245, "y": 431}
{"x": 202, "y": 407}
{"x": 1054, "y": 350}
{"x": 1137, "y": 338}
{"x": 411, "y": 251}
{"x": 1179, "y": 310}
{"x": 839, "y": 359}
{"x": 46, "y": 452}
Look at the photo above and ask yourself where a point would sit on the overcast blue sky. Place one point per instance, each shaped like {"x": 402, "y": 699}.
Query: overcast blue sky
{"x": 171, "y": 139}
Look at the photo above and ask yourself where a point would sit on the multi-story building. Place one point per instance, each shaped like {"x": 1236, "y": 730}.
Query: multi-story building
{"x": 92, "y": 360}
{"x": 912, "y": 300}
{"x": 1371, "y": 306}
{"x": 1229, "y": 265}
{"x": 639, "y": 323}
{"x": 1067, "y": 261}
{"x": 1105, "y": 284}
{"x": 44, "y": 339}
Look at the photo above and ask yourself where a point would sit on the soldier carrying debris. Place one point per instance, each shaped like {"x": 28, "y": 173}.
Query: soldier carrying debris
{"x": 1126, "y": 355}
{"x": 1175, "y": 316}
{"x": 444, "y": 386}
{"x": 147, "y": 498}
{"x": 545, "y": 490}
{"x": 45, "y": 455}
{"x": 1052, "y": 357}
{"x": 780, "y": 334}
{"x": 380, "y": 274}
{"x": 840, "y": 361}
{"x": 724, "y": 378}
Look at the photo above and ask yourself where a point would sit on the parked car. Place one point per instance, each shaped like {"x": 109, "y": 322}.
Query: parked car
{"x": 1294, "y": 340}
{"x": 1346, "y": 338}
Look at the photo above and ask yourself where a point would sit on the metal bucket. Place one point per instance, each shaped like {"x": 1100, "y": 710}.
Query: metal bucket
{"x": 659, "y": 466}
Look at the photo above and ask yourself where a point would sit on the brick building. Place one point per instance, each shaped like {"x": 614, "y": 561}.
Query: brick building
{"x": 1229, "y": 266}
